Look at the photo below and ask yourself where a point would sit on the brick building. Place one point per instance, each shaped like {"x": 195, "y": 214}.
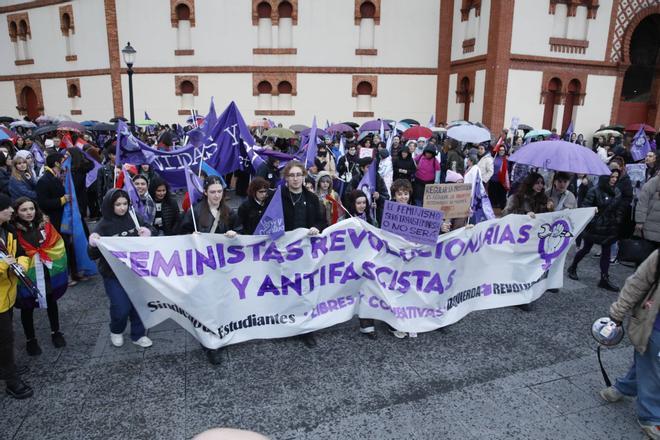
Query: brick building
{"x": 547, "y": 62}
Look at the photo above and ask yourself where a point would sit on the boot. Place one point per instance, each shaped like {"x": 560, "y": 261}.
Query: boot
{"x": 32, "y": 347}
{"x": 605, "y": 283}
{"x": 214, "y": 356}
{"x": 18, "y": 389}
{"x": 572, "y": 272}
{"x": 309, "y": 340}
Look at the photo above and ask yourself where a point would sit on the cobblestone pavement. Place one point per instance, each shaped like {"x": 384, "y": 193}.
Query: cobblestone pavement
{"x": 502, "y": 373}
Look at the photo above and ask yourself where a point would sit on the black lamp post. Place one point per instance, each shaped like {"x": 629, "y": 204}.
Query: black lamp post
{"x": 129, "y": 58}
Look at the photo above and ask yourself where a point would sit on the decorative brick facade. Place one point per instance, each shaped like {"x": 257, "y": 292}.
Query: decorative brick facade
{"x": 468, "y": 45}
{"x": 73, "y": 92}
{"x": 572, "y": 5}
{"x": 274, "y": 8}
{"x": 19, "y": 26}
{"x": 567, "y": 45}
{"x": 371, "y": 79}
{"x": 565, "y": 76}
{"x": 274, "y": 79}
{"x": 173, "y": 16}
{"x": 274, "y": 112}
{"x": 467, "y": 6}
{"x": 184, "y": 52}
{"x": 35, "y": 85}
{"x": 67, "y": 26}
{"x": 358, "y": 13}
{"x": 274, "y": 51}
{"x": 113, "y": 56}
{"x": 179, "y": 79}
{"x": 367, "y": 52}
{"x": 461, "y": 95}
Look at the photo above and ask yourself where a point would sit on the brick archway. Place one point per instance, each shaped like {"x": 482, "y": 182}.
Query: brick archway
{"x": 627, "y": 36}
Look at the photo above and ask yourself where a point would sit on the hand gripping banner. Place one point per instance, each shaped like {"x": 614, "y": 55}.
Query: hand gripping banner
{"x": 225, "y": 291}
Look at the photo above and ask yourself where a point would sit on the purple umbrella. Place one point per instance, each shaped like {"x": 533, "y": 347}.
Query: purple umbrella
{"x": 341, "y": 128}
{"x": 560, "y": 155}
{"x": 71, "y": 126}
{"x": 319, "y": 133}
{"x": 373, "y": 126}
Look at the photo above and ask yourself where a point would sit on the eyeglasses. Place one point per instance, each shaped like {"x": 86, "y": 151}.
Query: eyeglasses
{"x": 296, "y": 175}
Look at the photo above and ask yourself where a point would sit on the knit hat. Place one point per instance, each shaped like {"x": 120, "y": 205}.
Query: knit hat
{"x": 5, "y": 202}
{"x": 23, "y": 154}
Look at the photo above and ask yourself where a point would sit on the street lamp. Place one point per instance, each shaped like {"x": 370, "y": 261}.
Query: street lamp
{"x": 129, "y": 58}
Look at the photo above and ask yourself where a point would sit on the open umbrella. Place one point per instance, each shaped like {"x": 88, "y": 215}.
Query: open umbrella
{"x": 355, "y": 125}
{"x": 71, "y": 126}
{"x": 525, "y": 127}
{"x": 89, "y": 123}
{"x": 417, "y": 132}
{"x": 608, "y": 133}
{"x": 23, "y": 124}
{"x": 45, "y": 129}
{"x": 3, "y": 135}
{"x": 373, "y": 126}
{"x": 636, "y": 127}
{"x": 6, "y": 119}
{"x": 617, "y": 127}
{"x": 118, "y": 118}
{"x": 469, "y": 133}
{"x": 145, "y": 122}
{"x": 319, "y": 132}
{"x": 410, "y": 122}
{"x": 45, "y": 119}
{"x": 103, "y": 126}
{"x": 558, "y": 155}
{"x": 401, "y": 126}
{"x": 459, "y": 122}
{"x": 281, "y": 133}
{"x": 537, "y": 133}
{"x": 298, "y": 128}
{"x": 340, "y": 128}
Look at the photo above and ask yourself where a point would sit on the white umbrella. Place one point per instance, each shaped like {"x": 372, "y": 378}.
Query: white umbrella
{"x": 469, "y": 133}
{"x": 24, "y": 124}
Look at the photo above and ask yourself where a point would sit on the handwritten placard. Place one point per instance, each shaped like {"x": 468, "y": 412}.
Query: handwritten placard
{"x": 414, "y": 223}
{"x": 453, "y": 199}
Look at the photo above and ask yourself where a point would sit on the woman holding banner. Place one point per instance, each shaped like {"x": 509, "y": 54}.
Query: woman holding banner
{"x": 301, "y": 209}
{"x": 211, "y": 215}
{"x": 166, "y": 212}
{"x": 530, "y": 198}
{"x": 251, "y": 210}
{"x": 142, "y": 188}
{"x": 119, "y": 219}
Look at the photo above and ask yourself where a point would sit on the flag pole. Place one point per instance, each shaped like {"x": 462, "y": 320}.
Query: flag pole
{"x": 192, "y": 212}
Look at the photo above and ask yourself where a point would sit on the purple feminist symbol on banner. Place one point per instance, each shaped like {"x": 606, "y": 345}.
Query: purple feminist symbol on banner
{"x": 554, "y": 238}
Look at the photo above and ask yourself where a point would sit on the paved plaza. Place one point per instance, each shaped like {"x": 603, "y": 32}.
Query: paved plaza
{"x": 497, "y": 374}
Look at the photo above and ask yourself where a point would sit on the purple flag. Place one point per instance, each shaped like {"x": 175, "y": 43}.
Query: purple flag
{"x": 210, "y": 120}
{"x": 368, "y": 182}
{"x": 37, "y": 154}
{"x": 146, "y": 116}
{"x": 311, "y": 146}
{"x": 90, "y": 178}
{"x": 640, "y": 145}
{"x": 569, "y": 132}
{"x": 432, "y": 121}
{"x": 272, "y": 221}
{"x": 480, "y": 206}
{"x": 229, "y": 134}
{"x": 194, "y": 185}
{"x": 133, "y": 195}
{"x": 130, "y": 149}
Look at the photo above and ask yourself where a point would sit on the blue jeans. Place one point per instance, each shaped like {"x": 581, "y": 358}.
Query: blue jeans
{"x": 643, "y": 381}
{"x": 121, "y": 309}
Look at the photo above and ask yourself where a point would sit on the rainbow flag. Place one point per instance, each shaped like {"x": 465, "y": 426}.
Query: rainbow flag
{"x": 51, "y": 256}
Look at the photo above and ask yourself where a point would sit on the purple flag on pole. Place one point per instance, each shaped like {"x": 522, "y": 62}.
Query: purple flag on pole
{"x": 90, "y": 178}
{"x": 133, "y": 195}
{"x": 311, "y": 146}
{"x": 210, "y": 120}
{"x": 640, "y": 145}
{"x": 37, "y": 154}
{"x": 480, "y": 206}
{"x": 229, "y": 134}
{"x": 368, "y": 182}
{"x": 272, "y": 221}
{"x": 194, "y": 185}
{"x": 569, "y": 132}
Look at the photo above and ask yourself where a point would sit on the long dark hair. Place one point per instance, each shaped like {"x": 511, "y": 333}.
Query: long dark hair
{"x": 22, "y": 224}
{"x": 537, "y": 201}
{"x": 352, "y": 198}
{"x": 77, "y": 158}
{"x": 205, "y": 217}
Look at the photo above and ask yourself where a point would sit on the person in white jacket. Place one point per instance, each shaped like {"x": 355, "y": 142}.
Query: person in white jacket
{"x": 485, "y": 163}
{"x": 385, "y": 168}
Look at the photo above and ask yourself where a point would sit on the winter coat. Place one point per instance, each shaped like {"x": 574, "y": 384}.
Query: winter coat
{"x": 112, "y": 225}
{"x": 348, "y": 164}
{"x": 22, "y": 188}
{"x": 404, "y": 168}
{"x": 270, "y": 173}
{"x": 523, "y": 204}
{"x": 313, "y": 214}
{"x": 485, "y": 165}
{"x": 647, "y": 211}
{"x": 632, "y": 300}
{"x": 604, "y": 227}
{"x": 326, "y": 163}
{"x": 204, "y": 220}
{"x": 249, "y": 215}
{"x": 563, "y": 201}
{"x": 166, "y": 212}
{"x": 8, "y": 280}
{"x": 4, "y": 180}
{"x": 381, "y": 189}
{"x": 455, "y": 161}
{"x": 49, "y": 197}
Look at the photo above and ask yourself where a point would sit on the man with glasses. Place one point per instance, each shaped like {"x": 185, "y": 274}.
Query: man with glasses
{"x": 301, "y": 209}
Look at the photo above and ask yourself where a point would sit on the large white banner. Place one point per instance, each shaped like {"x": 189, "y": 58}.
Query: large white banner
{"x": 225, "y": 291}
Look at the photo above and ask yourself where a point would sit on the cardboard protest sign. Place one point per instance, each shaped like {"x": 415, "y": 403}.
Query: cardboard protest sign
{"x": 453, "y": 199}
{"x": 416, "y": 224}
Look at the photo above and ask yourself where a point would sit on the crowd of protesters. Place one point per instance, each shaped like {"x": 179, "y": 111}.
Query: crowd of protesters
{"x": 33, "y": 197}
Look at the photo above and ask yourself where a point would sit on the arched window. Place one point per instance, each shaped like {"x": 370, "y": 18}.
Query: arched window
{"x": 364, "y": 92}
{"x": 13, "y": 30}
{"x": 30, "y": 102}
{"x": 265, "y": 98}
{"x": 73, "y": 90}
{"x": 367, "y": 26}
{"x": 187, "y": 95}
{"x": 552, "y": 96}
{"x": 285, "y": 25}
{"x": 571, "y": 100}
{"x": 182, "y": 12}
{"x": 265, "y": 26}
{"x": 284, "y": 90}
{"x": 187, "y": 88}
{"x": 66, "y": 24}
{"x": 22, "y": 30}
{"x": 183, "y": 18}
{"x": 465, "y": 97}
{"x": 264, "y": 10}
{"x": 23, "y": 39}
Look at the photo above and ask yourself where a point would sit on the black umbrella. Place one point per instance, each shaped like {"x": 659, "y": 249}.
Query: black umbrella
{"x": 616, "y": 127}
{"x": 410, "y": 121}
{"x": 352, "y": 124}
{"x": 118, "y": 118}
{"x": 103, "y": 126}
{"x": 6, "y": 119}
{"x": 525, "y": 127}
{"x": 44, "y": 129}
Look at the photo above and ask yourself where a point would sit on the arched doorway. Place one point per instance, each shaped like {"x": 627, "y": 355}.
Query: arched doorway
{"x": 640, "y": 90}
{"x": 30, "y": 102}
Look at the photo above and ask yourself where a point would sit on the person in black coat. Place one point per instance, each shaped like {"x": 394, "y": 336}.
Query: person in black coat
{"x": 379, "y": 196}
{"x": 251, "y": 210}
{"x": 50, "y": 190}
{"x": 167, "y": 215}
{"x": 603, "y": 228}
{"x": 80, "y": 166}
{"x": 347, "y": 166}
{"x": 270, "y": 171}
{"x": 4, "y": 174}
{"x": 212, "y": 214}
{"x": 404, "y": 166}
{"x": 301, "y": 209}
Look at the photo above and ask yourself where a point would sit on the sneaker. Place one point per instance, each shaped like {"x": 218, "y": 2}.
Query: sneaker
{"x": 412, "y": 334}
{"x": 611, "y": 394}
{"x": 614, "y": 261}
{"x": 18, "y": 389}
{"x": 32, "y": 347}
{"x": 399, "y": 335}
{"x": 651, "y": 431}
{"x": 214, "y": 356}
{"x": 117, "y": 339}
{"x": 143, "y": 342}
{"x": 58, "y": 340}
